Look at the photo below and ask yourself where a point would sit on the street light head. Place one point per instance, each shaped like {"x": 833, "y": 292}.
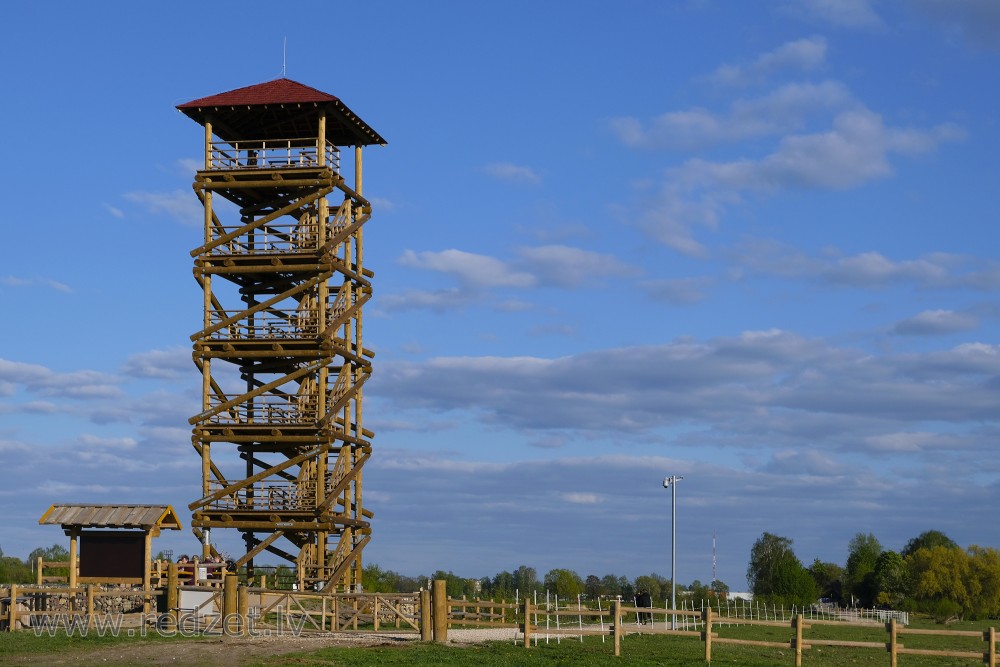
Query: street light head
{"x": 673, "y": 479}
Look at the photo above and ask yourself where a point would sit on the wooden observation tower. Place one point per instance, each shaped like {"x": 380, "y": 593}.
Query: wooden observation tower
{"x": 280, "y": 349}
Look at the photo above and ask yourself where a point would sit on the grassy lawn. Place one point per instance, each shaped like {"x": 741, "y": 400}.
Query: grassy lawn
{"x": 636, "y": 649}
{"x": 668, "y": 651}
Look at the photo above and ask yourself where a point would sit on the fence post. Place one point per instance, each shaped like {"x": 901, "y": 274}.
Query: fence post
{"x": 375, "y": 613}
{"x": 228, "y": 600}
{"x": 172, "y": 603}
{"x": 243, "y": 609}
{"x": 440, "y": 610}
{"x": 426, "y": 623}
{"x": 797, "y": 623}
{"x": 90, "y": 606}
{"x": 706, "y": 616}
{"x": 893, "y": 642}
{"x": 38, "y": 572}
{"x": 12, "y": 608}
{"x": 618, "y": 627}
{"x": 527, "y": 623}
{"x": 991, "y": 646}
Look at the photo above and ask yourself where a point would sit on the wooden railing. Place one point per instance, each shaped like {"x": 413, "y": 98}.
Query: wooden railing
{"x": 272, "y": 154}
{"x": 705, "y": 626}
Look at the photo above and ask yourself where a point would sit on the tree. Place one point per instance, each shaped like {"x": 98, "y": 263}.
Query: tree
{"x": 719, "y": 587}
{"x": 984, "y": 566}
{"x": 593, "y": 587}
{"x": 658, "y": 587}
{"x": 928, "y": 540}
{"x": 526, "y": 580}
{"x": 890, "y": 578}
{"x": 503, "y": 585}
{"x": 565, "y": 583}
{"x": 775, "y": 573}
{"x": 829, "y": 578}
{"x": 56, "y": 553}
{"x": 940, "y": 581}
{"x": 862, "y": 554}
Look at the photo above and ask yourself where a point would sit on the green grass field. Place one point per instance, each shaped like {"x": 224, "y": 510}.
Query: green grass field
{"x": 16, "y": 648}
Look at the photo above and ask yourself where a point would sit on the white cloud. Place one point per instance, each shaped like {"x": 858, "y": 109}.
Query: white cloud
{"x": 935, "y": 322}
{"x": 867, "y": 269}
{"x": 436, "y": 300}
{"x": 114, "y": 211}
{"x": 513, "y": 173}
{"x": 581, "y": 498}
{"x": 15, "y": 281}
{"x": 167, "y": 364}
{"x": 799, "y": 55}
{"x": 181, "y": 205}
{"x": 774, "y": 381}
{"x": 95, "y": 442}
{"x": 472, "y": 269}
{"x": 855, "y": 151}
{"x": 39, "y": 379}
{"x": 381, "y": 204}
{"x": 841, "y": 13}
{"x": 976, "y": 20}
{"x": 783, "y": 110}
{"x": 678, "y": 290}
{"x": 566, "y": 266}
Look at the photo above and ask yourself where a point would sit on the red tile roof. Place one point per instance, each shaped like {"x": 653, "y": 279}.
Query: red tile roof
{"x": 279, "y": 109}
{"x": 279, "y": 91}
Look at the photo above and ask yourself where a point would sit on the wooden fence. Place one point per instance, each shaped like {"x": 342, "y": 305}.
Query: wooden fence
{"x": 28, "y": 606}
{"x": 707, "y": 628}
{"x": 431, "y": 613}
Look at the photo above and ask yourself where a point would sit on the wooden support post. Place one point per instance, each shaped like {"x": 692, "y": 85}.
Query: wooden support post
{"x": 322, "y": 618}
{"x": 357, "y": 169}
{"x": 990, "y": 635}
{"x": 243, "y": 609}
{"x": 617, "y": 620}
{"x": 38, "y": 577}
{"x": 706, "y": 616}
{"x": 426, "y": 624}
{"x": 146, "y": 584}
{"x": 172, "y": 601}
{"x": 375, "y": 613}
{"x": 797, "y": 624}
{"x": 229, "y": 598}
{"x": 90, "y": 606}
{"x": 527, "y": 622}
{"x": 440, "y": 592}
{"x": 12, "y": 608}
{"x": 73, "y": 538}
{"x": 893, "y": 643}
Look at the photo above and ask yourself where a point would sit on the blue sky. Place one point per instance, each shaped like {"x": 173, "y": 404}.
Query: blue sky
{"x": 746, "y": 243}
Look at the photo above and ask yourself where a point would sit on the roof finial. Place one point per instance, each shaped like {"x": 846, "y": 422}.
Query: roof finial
{"x": 284, "y": 49}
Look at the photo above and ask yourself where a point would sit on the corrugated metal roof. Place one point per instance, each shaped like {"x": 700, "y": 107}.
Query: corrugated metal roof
{"x": 279, "y": 109}
{"x": 112, "y": 516}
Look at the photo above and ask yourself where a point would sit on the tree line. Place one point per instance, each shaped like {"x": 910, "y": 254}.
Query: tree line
{"x": 931, "y": 574}
{"x": 524, "y": 582}
{"x": 16, "y": 571}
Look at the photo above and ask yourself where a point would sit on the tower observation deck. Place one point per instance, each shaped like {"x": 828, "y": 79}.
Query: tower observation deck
{"x": 280, "y": 349}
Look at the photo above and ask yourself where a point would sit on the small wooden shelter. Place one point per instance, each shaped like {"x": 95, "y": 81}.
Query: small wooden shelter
{"x": 111, "y": 543}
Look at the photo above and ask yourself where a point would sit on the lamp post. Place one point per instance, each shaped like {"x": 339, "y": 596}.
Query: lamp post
{"x": 671, "y": 483}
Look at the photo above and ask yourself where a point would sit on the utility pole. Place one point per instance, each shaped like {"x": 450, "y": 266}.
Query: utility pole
{"x": 671, "y": 483}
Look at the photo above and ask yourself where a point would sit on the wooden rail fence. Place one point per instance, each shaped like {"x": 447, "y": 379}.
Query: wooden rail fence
{"x": 431, "y": 613}
{"x": 708, "y": 624}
